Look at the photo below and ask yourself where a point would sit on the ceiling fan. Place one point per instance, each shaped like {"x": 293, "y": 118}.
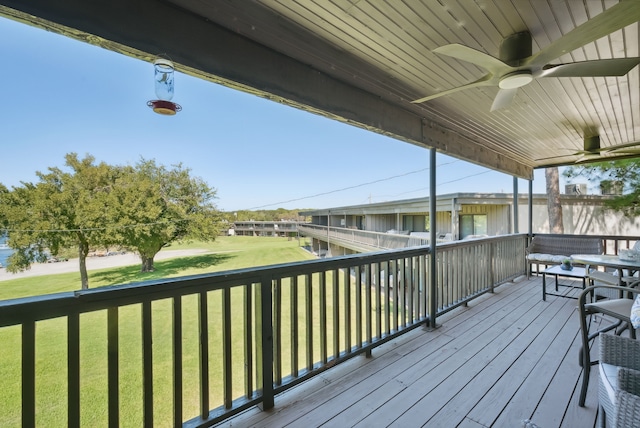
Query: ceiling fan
{"x": 517, "y": 66}
{"x": 592, "y": 150}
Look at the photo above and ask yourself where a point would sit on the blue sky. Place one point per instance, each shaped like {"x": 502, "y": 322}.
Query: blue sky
{"x": 62, "y": 96}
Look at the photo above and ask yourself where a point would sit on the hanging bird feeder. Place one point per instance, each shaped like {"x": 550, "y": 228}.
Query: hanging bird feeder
{"x": 163, "y": 76}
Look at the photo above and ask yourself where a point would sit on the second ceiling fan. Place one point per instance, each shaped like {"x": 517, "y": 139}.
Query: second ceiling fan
{"x": 593, "y": 151}
{"x": 516, "y": 66}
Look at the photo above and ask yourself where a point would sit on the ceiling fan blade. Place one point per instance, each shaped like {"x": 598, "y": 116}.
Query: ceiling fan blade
{"x": 503, "y": 99}
{"x": 625, "y": 151}
{"x": 629, "y": 148}
{"x": 486, "y": 80}
{"x": 582, "y": 153}
{"x": 616, "y": 17}
{"x": 481, "y": 59}
{"x": 597, "y": 68}
{"x": 554, "y": 157}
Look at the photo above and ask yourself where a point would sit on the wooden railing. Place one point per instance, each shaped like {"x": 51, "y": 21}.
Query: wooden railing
{"x": 198, "y": 350}
{"x": 364, "y": 238}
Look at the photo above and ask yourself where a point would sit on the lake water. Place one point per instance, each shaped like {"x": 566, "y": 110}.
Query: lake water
{"x": 4, "y": 255}
{"x": 4, "y": 251}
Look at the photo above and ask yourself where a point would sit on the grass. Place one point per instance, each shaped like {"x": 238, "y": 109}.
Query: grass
{"x": 227, "y": 253}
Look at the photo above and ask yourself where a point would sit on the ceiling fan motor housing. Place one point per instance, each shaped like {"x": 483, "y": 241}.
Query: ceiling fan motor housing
{"x": 592, "y": 144}
{"x": 515, "y": 47}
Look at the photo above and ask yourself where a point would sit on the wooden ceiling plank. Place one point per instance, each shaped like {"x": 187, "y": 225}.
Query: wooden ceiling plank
{"x": 408, "y": 51}
{"x": 497, "y": 17}
{"x": 442, "y": 23}
{"x": 377, "y": 57}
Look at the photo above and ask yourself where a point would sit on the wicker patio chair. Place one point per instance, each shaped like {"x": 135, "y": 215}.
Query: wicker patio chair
{"x": 618, "y": 309}
{"x": 619, "y": 389}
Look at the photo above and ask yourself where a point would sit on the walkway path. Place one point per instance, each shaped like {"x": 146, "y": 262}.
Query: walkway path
{"x": 94, "y": 263}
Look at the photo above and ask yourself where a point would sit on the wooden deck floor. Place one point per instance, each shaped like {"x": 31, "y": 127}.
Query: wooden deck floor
{"x": 504, "y": 358}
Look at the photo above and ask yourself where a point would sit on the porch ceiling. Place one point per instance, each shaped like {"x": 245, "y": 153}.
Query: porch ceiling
{"x": 363, "y": 62}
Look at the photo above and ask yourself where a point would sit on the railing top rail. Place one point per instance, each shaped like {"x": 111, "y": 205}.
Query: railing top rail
{"x": 608, "y": 237}
{"x": 346, "y": 229}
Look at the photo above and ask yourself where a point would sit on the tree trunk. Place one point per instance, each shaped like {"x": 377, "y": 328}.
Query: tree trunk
{"x": 83, "y": 251}
{"x": 147, "y": 263}
{"x": 554, "y": 207}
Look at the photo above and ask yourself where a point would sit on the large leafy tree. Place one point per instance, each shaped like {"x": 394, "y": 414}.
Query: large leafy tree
{"x": 626, "y": 171}
{"x": 154, "y": 205}
{"x": 87, "y": 205}
{"x": 64, "y": 209}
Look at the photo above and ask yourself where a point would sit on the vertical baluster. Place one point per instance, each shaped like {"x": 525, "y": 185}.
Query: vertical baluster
{"x": 309, "y": 319}
{"x": 177, "y": 361}
{"x": 427, "y": 285}
{"x": 424, "y": 274}
{"x": 29, "y": 374}
{"x": 409, "y": 288}
{"x": 378, "y": 280}
{"x": 451, "y": 277}
{"x": 461, "y": 276}
{"x": 248, "y": 342}
{"x": 73, "y": 370}
{"x": 367, "y": 307}
{"x": 226, "y": 346}
{"x": 394, "y": 291}
{"x": 203, "y": 325}
{"x": 416, "y": 288}
{"x": 358, "y": 291}
{"x": 387, "y": 297}
{"x": 347, "y": 310}
{"x": 147, "y": 364}
{"x": 277, "y": 331}
{"x": 294, "y": 326}
{"x": 402, "y": 292}
{"x": 264, "y": 340}
{"x": 492, "y": 267}
{"x": 336, "y": 313}
{"x": 323, "y": 317}
{"x": 112, "y": 364}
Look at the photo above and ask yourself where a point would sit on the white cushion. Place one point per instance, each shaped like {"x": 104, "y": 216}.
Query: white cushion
{"x": 635, "y": 312}
{"x": 609, "y": 378}
{"x": 540, "y": 257}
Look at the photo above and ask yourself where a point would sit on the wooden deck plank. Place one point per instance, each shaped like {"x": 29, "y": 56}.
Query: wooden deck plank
{"x": 495, "y": 386}
{"x": 374, "y": 391}
{"x": 482, "y": 370}
{"x": 366, "y": 377}
{"x": 523, "y": 402}
{"x": 529, "y": 383}
{"x": 448, "y": 370}
{"x": 504, "y": 358}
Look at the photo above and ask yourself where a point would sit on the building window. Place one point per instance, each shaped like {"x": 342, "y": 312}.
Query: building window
{"x": 473, "y": 224}
{"x": 415, "y": 223}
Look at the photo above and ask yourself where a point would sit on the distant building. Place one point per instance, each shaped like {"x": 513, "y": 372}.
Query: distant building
{"x": 458, "y": 216}
{"x": 264, "y": 228}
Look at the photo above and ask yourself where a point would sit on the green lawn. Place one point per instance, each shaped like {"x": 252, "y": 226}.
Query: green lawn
{"x": 228, "y": 253}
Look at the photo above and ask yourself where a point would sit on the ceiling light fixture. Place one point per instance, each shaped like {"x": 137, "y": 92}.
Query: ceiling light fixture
{"x": 516, "y": 80}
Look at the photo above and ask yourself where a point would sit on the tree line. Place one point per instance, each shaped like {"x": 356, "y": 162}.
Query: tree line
{"x": 85, "y": 205}
{"x": 280, "y": 214}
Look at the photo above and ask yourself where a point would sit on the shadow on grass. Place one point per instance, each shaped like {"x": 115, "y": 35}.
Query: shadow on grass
{"x": 163, "y": 269}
